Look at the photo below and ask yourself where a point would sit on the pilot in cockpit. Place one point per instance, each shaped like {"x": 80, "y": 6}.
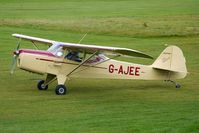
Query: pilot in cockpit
{"x": 73, "y": 55}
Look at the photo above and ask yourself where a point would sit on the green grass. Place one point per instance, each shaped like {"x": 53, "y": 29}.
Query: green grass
{"x": 99, "y": 105}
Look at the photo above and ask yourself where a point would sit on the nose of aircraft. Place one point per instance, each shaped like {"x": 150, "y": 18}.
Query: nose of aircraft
{"x": 14, "y": 61}
{"x": 16, "y": 52}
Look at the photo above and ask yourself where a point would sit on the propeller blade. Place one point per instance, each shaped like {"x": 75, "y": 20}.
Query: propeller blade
{"x": 14, "y": 62}
{"x": 18, "y": 45}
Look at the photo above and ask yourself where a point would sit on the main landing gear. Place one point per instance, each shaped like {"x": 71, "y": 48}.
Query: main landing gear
{"x": 59, "y": 89}
{"x": 41, "y": 85}
{"x": 177, "y": 85}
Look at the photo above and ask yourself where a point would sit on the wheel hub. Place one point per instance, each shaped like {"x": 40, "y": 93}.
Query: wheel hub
{"x": 43, "y": 86}
{"x": 61, "y": 90}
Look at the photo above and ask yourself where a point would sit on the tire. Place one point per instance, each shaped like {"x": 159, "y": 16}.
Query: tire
{"x": 41, "y": 86}
{"x": 60, "y": 90}
{"x": 178, "y": 86}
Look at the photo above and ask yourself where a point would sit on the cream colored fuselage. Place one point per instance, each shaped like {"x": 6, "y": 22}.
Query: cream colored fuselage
{"x": 111, "y": 69}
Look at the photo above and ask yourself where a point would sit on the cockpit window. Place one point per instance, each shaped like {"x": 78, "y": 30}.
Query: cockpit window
{"x": 54, "y": 48}
{"x": 96, "y": 59}
{"x": 78, "y": 57}
{"x": 57, "y": 50}
{"x": 73, "y": 55}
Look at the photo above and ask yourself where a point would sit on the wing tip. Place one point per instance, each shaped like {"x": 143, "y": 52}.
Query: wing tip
{"x": 149, "y": 57}
{"x": 14, "y": 34}
{"x": 17, "y": 35}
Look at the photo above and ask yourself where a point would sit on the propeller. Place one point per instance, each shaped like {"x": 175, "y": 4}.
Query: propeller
{"x": 14, "y": 59}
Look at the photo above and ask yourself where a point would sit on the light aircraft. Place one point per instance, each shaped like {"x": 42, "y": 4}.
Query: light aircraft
{"x": 62, "y": 61}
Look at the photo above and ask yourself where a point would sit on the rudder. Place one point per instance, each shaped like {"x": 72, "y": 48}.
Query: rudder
{"x": 172, "y": 59}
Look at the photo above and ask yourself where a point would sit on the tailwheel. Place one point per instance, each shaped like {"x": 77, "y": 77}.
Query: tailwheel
{"x": 177, "y": 85}
{"x": 60, "y": 90}
{"x": 41, "y": 86}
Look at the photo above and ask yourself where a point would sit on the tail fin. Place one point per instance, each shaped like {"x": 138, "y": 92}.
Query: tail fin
{"x": 172, "y": 59}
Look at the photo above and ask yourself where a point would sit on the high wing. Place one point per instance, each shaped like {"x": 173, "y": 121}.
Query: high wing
{"x": 34, "y": 39}
{"x": 86, "y": 48}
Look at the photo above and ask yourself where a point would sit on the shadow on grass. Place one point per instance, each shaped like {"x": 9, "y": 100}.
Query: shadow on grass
{"x": 115, "y": 86}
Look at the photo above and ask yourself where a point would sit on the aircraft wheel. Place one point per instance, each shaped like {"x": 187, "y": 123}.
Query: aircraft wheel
{"x": 41, "y": 85}
{"x": 178, "y": 86}
{"x": 60, "y": 90}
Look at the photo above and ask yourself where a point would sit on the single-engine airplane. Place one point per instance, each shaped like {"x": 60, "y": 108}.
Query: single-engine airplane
{"x": 62, "y": 61}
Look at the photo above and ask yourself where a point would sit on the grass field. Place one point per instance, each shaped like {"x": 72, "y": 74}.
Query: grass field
{"x": 93, "y": 105}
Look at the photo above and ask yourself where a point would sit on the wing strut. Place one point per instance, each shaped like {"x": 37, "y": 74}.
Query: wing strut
{"x": 49, "y": 79}
{"x": 35, "y": 45}
{"x": 82, "y": 63}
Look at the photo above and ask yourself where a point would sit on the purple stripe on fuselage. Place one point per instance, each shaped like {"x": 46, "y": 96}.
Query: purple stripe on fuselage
{"x": 36, "y": 52}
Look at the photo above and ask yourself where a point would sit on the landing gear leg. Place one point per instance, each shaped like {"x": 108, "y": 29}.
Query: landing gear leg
{"x": 177, "y": 85}
{"x": 61, "y": 88}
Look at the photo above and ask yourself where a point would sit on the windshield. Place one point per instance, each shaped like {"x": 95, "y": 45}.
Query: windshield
{"x": 57, "y": 50}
